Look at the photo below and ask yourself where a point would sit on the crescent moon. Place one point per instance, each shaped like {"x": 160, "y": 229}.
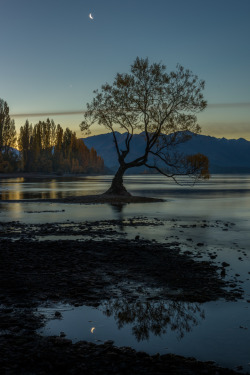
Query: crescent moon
{"x": 92, "y": 329}
{"x": 90, "y": 16}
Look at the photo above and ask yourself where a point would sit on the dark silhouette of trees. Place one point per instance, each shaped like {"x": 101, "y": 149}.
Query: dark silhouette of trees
{"x": 24, "y": 144}
{"x": 161, "y": 105}
{"x": 8, "y": 158}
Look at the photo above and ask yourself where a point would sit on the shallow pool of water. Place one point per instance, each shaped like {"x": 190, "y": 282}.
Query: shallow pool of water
{"x": 209, "y": 330}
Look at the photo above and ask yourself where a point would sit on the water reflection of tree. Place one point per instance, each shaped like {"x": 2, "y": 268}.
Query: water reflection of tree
{"x": 118, "y": 211}
{"x": 117, "y": 207}
{"x": 155, "y": 317}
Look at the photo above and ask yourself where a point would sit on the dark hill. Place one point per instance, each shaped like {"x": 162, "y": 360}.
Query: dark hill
{"x": 225, "y": 155}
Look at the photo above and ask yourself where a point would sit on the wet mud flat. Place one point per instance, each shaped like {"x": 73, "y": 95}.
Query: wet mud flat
{"x": 34, "y": 273}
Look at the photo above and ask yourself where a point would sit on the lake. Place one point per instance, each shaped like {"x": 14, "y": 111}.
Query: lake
{"x": 218, "y": 209}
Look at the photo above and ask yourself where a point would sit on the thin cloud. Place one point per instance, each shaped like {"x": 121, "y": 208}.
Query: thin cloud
{"x": 72, "y": 113}
{"x": 42, "y": 114}
{"x": 228, "y": 105}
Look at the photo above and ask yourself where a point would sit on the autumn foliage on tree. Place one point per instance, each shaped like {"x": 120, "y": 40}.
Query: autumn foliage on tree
{"x": 46, "y": 147}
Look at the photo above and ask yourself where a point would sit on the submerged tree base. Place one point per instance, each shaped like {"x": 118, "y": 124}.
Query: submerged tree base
{"x": 110, "y": 198}
{"x": 118, "y": 191}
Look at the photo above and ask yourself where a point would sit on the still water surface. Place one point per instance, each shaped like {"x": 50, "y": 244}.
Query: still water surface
{"x": 218, "y": 331}
{"x": 52, "y": 188}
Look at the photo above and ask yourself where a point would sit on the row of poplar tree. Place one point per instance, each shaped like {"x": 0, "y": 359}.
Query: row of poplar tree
{"x": 44, "y": 147}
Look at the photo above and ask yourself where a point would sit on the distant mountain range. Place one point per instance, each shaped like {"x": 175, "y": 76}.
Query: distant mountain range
{"x": 225, "y": 155}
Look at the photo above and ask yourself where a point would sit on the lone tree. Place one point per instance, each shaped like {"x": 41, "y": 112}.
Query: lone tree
{"x": 162, "y": 106}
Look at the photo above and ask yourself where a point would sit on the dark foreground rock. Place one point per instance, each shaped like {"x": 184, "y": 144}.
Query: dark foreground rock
{"x": 88, "y": 272}
{"x": 55, "y": 355}
{"x": 91, "y": 271}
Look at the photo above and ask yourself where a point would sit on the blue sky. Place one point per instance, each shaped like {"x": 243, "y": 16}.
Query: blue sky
{"x": 53, "y": 56}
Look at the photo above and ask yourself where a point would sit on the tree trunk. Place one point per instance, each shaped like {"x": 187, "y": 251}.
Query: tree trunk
{"x": 117, "y": 187}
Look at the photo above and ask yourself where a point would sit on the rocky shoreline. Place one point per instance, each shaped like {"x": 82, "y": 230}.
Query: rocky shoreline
{"x": 35, "y": 271}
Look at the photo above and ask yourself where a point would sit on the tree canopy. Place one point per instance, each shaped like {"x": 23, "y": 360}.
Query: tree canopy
{"x": 8, "y": 159}
{"x": 161, "y": 105}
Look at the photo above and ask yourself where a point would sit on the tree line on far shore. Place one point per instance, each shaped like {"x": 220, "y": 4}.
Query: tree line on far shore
{"x": 44, "y": 147}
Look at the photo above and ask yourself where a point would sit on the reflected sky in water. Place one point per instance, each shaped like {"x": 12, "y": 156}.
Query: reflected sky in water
{"x": 139, "y": 320}
{"x": 127, "y": 323}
